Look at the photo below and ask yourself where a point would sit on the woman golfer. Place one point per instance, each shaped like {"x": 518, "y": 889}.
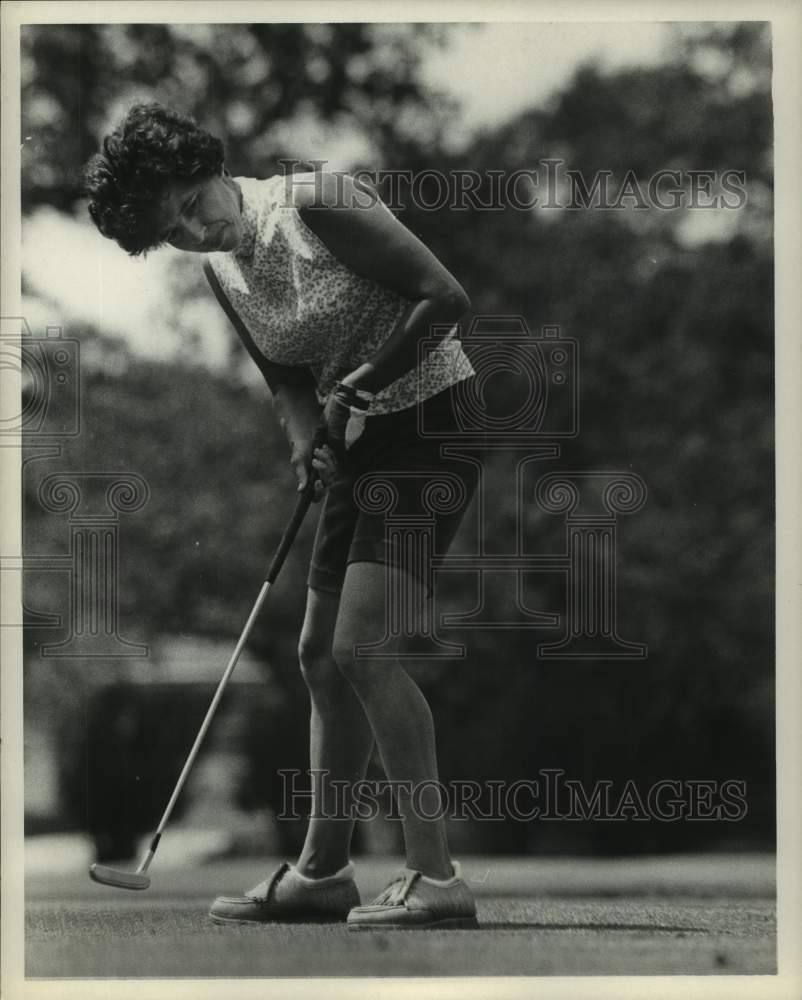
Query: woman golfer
{"x": 332, "y": 296}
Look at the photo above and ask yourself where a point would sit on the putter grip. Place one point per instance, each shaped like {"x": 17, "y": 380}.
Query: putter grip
{"x": 303, "y": 504}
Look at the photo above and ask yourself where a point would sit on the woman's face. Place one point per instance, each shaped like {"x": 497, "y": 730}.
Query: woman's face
{"x": 203, "y": 216}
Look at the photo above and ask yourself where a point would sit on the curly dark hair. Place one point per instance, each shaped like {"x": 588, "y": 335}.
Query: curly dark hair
{"x": 152, "y": 146}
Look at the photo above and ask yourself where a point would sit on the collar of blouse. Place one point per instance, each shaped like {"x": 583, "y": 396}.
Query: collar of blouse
{"x": 246, "y": 245}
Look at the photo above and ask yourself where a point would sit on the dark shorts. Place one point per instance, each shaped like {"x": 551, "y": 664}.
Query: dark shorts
{"x": 398, "y": 500}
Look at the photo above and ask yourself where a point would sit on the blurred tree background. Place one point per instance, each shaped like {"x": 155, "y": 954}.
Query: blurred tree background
{"x": 673, "y": 313}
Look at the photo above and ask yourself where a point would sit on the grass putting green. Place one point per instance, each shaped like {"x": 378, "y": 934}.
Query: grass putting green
{"x": 646, "y": 916}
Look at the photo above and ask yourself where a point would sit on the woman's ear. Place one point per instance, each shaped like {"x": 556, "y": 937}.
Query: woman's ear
{"x": 226, "y": 172}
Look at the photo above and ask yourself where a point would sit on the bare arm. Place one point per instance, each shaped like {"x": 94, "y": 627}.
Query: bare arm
{"x": 365, "y": 236}
{"x": 292, "y": 388}
{"x": 298, "y": 413}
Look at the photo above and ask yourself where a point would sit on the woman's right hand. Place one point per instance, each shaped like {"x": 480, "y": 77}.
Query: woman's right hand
{"x": 311, "y": 458}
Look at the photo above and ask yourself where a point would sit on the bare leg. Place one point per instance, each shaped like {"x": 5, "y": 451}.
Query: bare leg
{"x": 340, "y": 744}
{"x": 398, "y": 712}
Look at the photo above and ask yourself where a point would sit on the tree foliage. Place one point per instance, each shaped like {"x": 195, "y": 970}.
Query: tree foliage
{"x": 247, "y": 82}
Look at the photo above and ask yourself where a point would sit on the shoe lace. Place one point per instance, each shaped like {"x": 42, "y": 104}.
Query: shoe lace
{"x": 259, "y": 892}
{"x": 396, "y": 892}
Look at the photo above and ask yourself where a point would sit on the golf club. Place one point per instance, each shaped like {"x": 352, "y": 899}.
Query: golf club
{"x": 140, "y": 879}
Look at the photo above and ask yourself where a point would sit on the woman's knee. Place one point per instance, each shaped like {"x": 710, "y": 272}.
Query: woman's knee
{"x": 351, "y": 653}
{"x": 315, "y": 657}
{"x": 344, "y": 651}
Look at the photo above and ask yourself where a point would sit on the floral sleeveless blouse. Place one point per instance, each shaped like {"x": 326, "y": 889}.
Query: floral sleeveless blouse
{"x": 302, "y": 306}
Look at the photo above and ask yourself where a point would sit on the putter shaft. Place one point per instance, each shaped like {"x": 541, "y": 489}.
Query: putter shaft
{"x": 193, "y": 753}
{"x": 138, "y": 879}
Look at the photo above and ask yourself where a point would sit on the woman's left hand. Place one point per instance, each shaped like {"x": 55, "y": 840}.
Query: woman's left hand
{"x": 344, "y": 419}
{"x": 325, "y": 464}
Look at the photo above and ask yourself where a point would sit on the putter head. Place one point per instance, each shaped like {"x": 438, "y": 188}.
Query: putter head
{"x": 120, "y": 880}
